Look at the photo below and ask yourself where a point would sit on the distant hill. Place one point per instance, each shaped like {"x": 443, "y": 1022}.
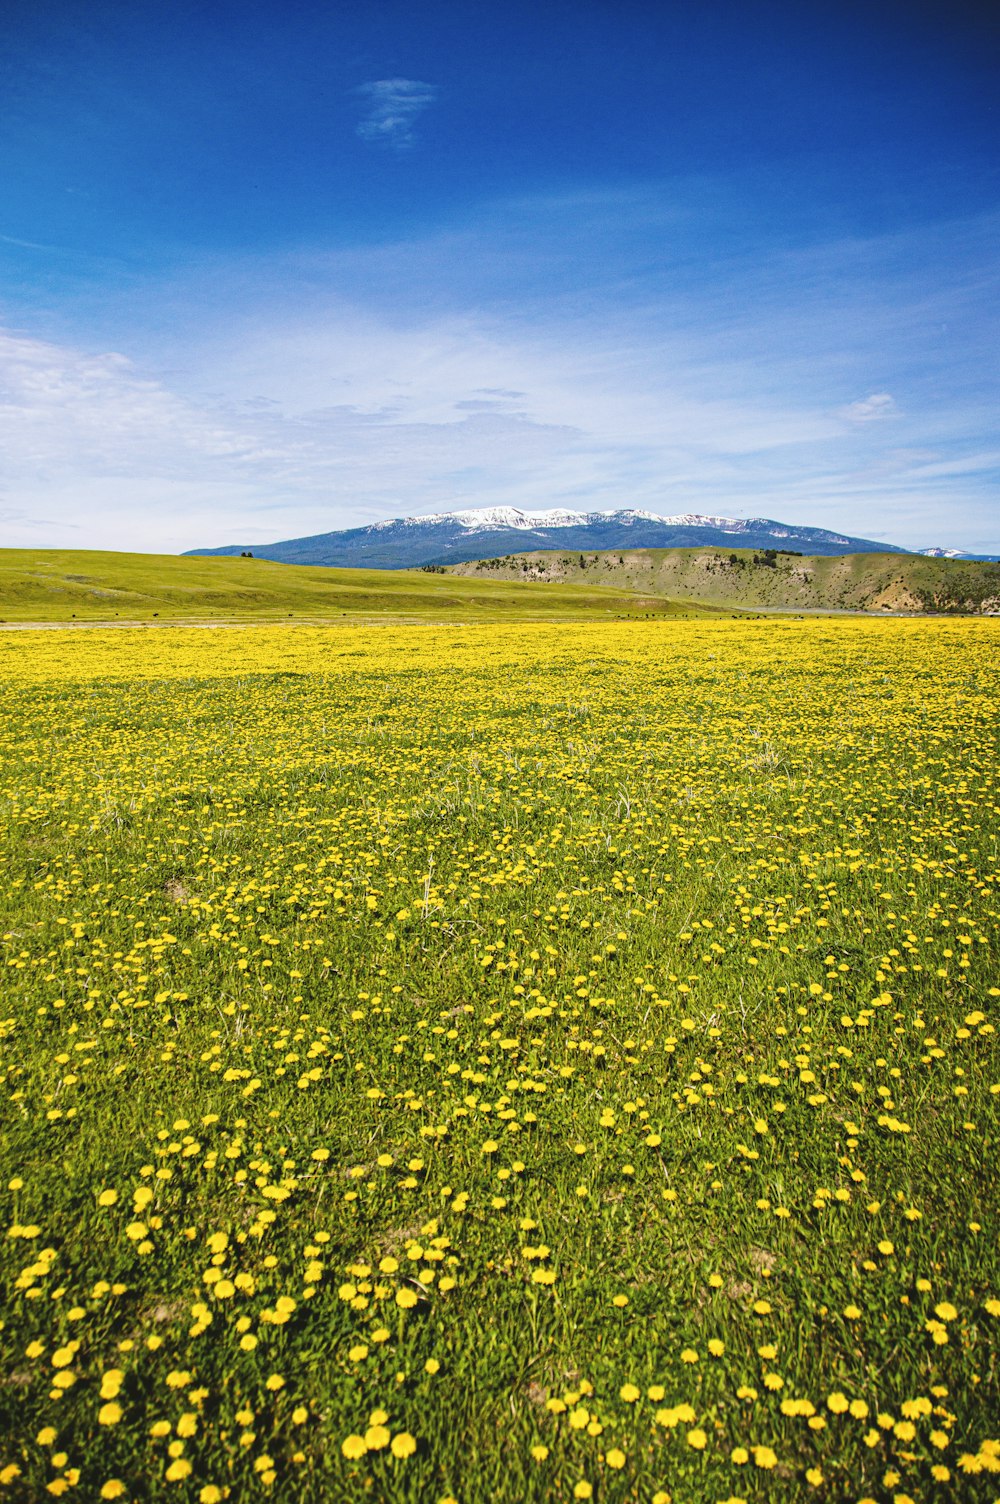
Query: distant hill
{"x": 457, "y": 537}
{"x": 749, "y": 579}
{"x": 63, "y": 585}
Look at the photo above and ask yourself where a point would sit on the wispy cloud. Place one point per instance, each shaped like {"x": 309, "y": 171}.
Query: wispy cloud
{"x": 313, "y": 390}
{"x": 870, "y": 409}
{"x": 392, "y": 107}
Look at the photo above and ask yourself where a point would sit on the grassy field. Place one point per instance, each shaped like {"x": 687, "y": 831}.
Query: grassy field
{"x": 77, "y": 585}
{"x": 747, "y": 579}
{"x": 512, "y": 1062}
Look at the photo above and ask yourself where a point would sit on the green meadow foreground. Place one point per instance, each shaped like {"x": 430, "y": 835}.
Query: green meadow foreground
{"x": 501, "y": 1063}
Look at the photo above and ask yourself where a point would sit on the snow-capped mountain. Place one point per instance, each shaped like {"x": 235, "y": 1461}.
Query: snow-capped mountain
{"x": 489, "y": 532}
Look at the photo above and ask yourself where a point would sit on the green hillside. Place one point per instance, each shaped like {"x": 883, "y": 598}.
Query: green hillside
{"x": 747, "y": 579}
{"x": 67, "y": 585}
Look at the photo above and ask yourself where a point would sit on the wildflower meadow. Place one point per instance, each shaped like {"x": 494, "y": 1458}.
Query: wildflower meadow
{"x": 508, "y": 1063}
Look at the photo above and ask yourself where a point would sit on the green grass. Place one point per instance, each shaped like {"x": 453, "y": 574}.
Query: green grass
{"x": 738, "y": 578}
{"x": 353, "y": 981}
{"x": 65, "y": 585}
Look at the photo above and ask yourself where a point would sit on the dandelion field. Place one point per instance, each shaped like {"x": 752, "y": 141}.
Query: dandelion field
{"x": 506, "y": 1063}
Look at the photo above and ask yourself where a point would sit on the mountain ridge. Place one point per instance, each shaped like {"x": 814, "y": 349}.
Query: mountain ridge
{"x": 464, "y": 536}
{"x": 771, "y": 579}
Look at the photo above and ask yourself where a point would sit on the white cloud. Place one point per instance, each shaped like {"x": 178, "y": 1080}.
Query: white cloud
{"x": 312, "y": 391}
{"x": 392, "y": 107}
{"x": 870, "y": 409}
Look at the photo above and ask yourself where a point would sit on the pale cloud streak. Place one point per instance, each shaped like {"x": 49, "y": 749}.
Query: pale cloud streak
{"x": 313, "y": 391}
{"x": 870, "y": 409}
{"x": 392, "y": 107}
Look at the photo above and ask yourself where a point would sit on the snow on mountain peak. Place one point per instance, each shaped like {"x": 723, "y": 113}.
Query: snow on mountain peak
{"x": 485, "y": 518}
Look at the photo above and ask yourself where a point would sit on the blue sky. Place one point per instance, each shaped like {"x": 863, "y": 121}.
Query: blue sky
{"x": 267, "y": 274}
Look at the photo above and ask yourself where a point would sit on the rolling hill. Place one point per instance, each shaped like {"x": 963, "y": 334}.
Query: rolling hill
{"x": 748, "y": 579}
{"x": 457, "y": 537}
{"x": 76, "y": 585}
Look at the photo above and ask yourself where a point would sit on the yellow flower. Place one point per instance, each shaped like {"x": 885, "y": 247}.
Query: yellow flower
{"x": 583, "y": 1490}
{"x": 539, "y": 1452}
{"x": 764, "y": 1458}
{"x": 629, "y": 1393}
{"x": 406, "y": 1298}
{"x": 697, "y": 1439}
{"x": 615, "y": 1458}
{"x": 377, "y": 1437}
{"x": 403, "y": 1445}
{"x": 113, "y": 1489}
{"x": 210, "y": 1494}
{"x": 108, "y": 1197}
{"x": 354, "y": 1446}
{"x": 110, "y": 1414}
{"x": 178, "y": 1470}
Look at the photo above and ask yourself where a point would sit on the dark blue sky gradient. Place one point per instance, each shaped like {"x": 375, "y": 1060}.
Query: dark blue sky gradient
{"x": 169, "y": 128}
{"x": 792, "y": 203}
